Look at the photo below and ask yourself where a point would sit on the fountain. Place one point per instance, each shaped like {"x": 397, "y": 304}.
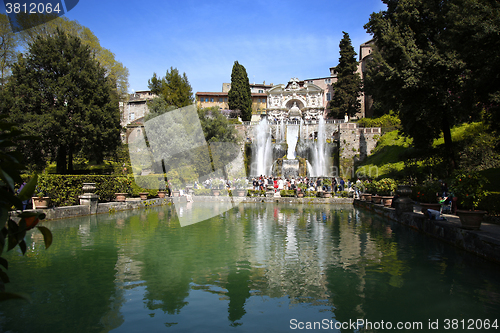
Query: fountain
{"x": 319, "y": 165}
{"x": 262, "y": 154}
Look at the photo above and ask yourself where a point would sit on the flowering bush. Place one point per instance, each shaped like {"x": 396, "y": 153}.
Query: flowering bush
{"x": 385, "y": 186}
{"x": 469, "y": 189}
{"x": 427, "y": 192}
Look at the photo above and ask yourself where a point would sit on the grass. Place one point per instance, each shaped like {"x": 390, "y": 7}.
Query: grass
{"x": 390, "y": 153}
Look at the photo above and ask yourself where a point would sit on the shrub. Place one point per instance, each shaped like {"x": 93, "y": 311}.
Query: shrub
{"x": 469, "y": 189}
{"x": 490, "y": 203}
{"x": 385, "y": 186}
{"x": 65, "y": 189}
{"x": 427, "y": 192}
{"x": 287, "y": 193}
{"x": 202, "y": 191}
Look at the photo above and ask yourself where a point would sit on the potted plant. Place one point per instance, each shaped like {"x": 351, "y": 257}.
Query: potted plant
{"x": 427, "y": 195}
{"x": 386, "y": 188}
{"x": 328, "y": 183}
{"x": 143, "y": 195}
{"x": 40, "y": 200}
{"x": 122, "y": 189}
{"x": 469, "y": 190}
{"x": 240, "y": 185}
{"x": 216, "y": 186}
{"x": 301, "y": 189}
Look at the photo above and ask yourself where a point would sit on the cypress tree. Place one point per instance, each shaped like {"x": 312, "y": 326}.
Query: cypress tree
{"x": 240, "y": 97}
{"x": 348, "y": 86}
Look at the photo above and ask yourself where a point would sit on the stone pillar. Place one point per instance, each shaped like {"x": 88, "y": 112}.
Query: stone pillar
{"x": 89, "y": 198}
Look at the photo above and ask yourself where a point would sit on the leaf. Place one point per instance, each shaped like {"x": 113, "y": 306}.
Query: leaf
{"x": 22, "y": 245}
{"x": 28, "y": 189}
{"x": 5, "y": 296}
{"x": 4, "y": 263}
{"x": 4, "y": 277}
{"x": 47, "y": 236}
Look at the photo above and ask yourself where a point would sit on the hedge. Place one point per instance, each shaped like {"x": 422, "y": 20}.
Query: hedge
{"x": 65, "y": 189}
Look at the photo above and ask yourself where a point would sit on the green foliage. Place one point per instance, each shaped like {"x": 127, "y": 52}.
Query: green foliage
{"x": 426, "y": 192}
{"x": 8, "y": 45}
{"x": 310, "y": 194}
{"x": 287, "y": 193}
{"x": 240, "y": 96}
{"x": 490, "y": 203}
{"x": 468, "y": 187}
{"x": 116, "y": 72}
{"x": 348, "y": 86}
{"x": 256, "y": 193}
{"x": 388, "y": 122}
{"x": 415, "y": 71}
{"x": 344, "y": 194}
{"x": 385, "y": 186}
{"x": 202, "y": 191}
{"x": 173, "y": 88}
{"x": 12, "y": 232}
{"x": 62, "y": 93}
{"x": 65, "y": 189}
{"x": 156, "y": 107}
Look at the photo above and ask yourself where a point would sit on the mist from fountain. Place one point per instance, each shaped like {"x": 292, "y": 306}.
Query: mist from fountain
{"x": 262, "y": 153}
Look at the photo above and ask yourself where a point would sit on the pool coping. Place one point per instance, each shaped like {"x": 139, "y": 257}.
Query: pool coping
{"x": 484, "y": 242}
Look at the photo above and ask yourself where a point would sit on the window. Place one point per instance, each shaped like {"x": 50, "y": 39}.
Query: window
{"x": 132, "y": 116}
{"x": 327, "y": 81}
{"x": 328, "y": 96}
{"x": 261, "y": 91}
{"x": 211, "y": 99}
{"x": 220, "y": 99}
{"x": 225, "y": 99}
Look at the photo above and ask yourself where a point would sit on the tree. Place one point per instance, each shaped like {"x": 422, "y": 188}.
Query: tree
{"x": 156, "y": 107}
{"x": 173, "y": 88}
{"x": 417, "y": 70}
{"x": 114, "y": 69}
{"x": 8, "y": 53}
{"x": 240, "y": 97}
{"x": 348, "y": 86}
{"x": 62, "y": 93}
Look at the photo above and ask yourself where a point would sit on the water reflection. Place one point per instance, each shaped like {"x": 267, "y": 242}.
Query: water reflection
{"x": 255, "y": 266}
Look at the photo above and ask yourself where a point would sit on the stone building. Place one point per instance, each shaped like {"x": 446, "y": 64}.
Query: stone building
{"x": 295, "y": 101}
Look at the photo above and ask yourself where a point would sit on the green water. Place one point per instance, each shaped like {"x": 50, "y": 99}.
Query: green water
{"x": 257, "y": 267}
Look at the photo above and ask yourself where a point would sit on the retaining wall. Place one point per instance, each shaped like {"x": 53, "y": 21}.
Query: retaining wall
{"x": 484, "y": 242}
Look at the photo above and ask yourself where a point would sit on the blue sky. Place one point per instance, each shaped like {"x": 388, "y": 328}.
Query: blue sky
{"x": 274, "y": 40}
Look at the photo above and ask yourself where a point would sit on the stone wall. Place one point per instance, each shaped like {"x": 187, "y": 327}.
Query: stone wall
{"x": 357, "y": 143}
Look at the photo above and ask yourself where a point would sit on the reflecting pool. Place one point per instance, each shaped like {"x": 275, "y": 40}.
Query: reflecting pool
{"x": 256, "y": 267}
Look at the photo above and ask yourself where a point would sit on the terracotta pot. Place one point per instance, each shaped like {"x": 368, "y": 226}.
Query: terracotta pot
{"x": 42, "y": 202}
{"x": 216, "y": 193}
{"x": 387, "y": 201}
{"x": 143, "y": 195}
{"x": 376, "y": 199}
{"x": 300, "y": 194}
{"x": 471, "y": 219}
{"x": 120, "y": 197}
{"x": 161, "y": 194}
{"x": 327, "y": 194}
{"x": 433, "y": 206}
{"x": 368, "y": 197}
{"x": 176, "y": 193}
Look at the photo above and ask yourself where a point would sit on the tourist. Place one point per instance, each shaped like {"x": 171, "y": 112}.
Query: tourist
{"x": 334, "y": 184}
{"x": 342, "y": 183}
{"x": 275, "y": 183}
{"x": 281, "y": 184}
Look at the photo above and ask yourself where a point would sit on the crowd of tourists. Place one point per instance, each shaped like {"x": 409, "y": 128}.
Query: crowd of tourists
{"x": 262, "y": 183}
